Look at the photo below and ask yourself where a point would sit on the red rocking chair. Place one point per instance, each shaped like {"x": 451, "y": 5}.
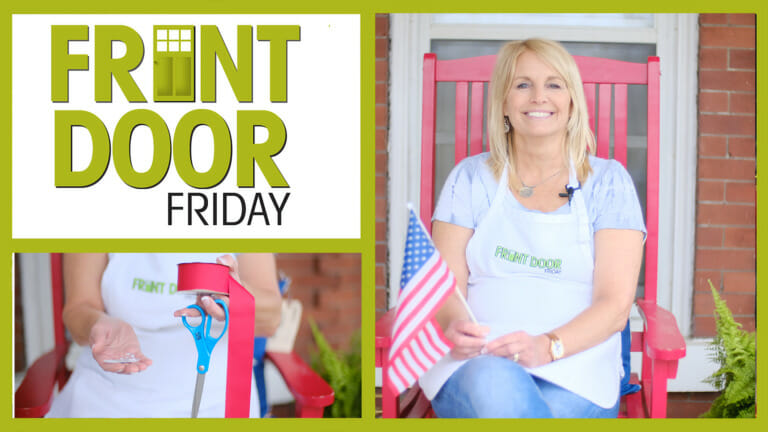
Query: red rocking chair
{"x": 660, "y": 341}
{"x": 34, "y": 396}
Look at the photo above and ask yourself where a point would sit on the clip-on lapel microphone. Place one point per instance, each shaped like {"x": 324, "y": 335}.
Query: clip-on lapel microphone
{"x": 569, "y": 190}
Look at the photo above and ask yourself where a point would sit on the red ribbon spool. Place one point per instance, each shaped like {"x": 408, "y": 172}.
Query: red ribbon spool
{"x": 215, "y": 279}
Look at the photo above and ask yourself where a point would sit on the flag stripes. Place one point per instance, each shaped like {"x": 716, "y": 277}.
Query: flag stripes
{"x": 420, "y": 301}
{"x": 426, "y": 282}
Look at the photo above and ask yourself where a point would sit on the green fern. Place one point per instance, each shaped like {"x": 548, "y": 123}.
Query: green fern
{"x": 342, "y": 372}
{"x": 733, "y": 349}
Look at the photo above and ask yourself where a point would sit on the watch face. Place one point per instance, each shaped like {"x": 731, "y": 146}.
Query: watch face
{"x": 557, "y": 349}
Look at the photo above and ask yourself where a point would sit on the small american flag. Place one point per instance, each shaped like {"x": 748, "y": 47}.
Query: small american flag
{"x": 425, "y": 284}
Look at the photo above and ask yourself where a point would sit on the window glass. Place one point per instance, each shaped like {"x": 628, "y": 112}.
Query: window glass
{"x": 578, "y": 20}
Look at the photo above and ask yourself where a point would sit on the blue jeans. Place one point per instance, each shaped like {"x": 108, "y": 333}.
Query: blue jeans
{"x": 496, "y": 387}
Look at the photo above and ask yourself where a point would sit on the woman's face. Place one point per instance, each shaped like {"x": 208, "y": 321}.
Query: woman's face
{"x": 538, "y": 103}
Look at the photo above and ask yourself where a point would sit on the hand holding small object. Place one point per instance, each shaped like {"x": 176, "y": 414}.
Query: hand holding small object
{"x": 115, "y": 346}
{"x": 520, "y": 347}
{"x": 468, "y": 338}
{"x": 208, "y": 301}
{"x": 208, "y": 304}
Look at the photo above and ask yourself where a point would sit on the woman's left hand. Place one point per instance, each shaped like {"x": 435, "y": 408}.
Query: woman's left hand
{"x": 206, "y": 301}
{"x": 527, "y": 350}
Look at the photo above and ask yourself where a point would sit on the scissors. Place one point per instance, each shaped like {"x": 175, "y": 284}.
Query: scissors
{"x": 205, "y": 344}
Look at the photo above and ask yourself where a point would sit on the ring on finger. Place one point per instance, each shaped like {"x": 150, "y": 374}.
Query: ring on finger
{"x": 516, "y": 357}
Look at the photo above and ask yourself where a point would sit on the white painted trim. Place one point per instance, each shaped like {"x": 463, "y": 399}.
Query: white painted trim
{"x": 599, "y": 20}
{"x": 17, "y": 379}
{"x": 678, "y": 39}
{"x": 277, "y": 391}
{"x": 566, "y": 34}
{"x": 35, "y": 276}
{"x": 409, "y": 41}
{"x": 692, "y": 369}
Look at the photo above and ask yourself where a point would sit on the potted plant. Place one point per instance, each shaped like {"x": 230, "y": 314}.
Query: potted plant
{"x": 342, "y": 371}
{"x": 733, "y": 349}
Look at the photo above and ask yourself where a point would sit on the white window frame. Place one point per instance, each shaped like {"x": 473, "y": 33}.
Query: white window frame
{"x": 676, "y": 38}
{"x": 35, "y": 277}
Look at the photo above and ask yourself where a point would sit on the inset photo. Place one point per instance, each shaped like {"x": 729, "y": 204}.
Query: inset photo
{"x": 180, "y": 335}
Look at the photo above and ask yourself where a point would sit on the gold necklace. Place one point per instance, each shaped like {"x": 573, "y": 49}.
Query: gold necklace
{"x": 525, "y": 191}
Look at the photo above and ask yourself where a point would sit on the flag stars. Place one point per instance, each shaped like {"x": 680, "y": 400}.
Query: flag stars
{"x": 418, "y": 249}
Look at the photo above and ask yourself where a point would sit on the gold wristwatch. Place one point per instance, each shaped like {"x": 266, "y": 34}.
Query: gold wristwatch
{"x": 556, "y": 348}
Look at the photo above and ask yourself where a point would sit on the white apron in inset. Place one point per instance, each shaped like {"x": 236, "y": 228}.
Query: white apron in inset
{"x": 532, "y": 271}
{"x": 140, "y": 289}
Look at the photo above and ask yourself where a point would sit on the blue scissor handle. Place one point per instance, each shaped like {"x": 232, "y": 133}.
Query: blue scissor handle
{"x": 202, "y": 334}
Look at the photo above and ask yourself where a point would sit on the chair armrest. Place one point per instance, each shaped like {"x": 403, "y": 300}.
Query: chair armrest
{"x": 305, "y": 385}
{"x": 662, "y": 340}
{"x": 383, "y": 335}
{"x": 34, "y": 396}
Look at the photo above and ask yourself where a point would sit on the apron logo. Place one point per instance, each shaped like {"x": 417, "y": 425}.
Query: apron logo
{"x": 549, "y": 265}
{"x": 154, "y": 287}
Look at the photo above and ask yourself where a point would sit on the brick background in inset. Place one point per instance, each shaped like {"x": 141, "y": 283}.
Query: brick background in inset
{"x": 328, "y": 286}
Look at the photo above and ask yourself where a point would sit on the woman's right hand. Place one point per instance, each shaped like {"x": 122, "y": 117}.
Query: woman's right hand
{"x": 468, "y": 338}
{"x": 115, "y": 346}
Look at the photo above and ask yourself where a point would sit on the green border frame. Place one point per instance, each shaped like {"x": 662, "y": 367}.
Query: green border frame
{"x": 364, "y": 245}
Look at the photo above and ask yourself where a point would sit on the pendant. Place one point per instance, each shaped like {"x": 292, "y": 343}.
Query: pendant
{"x": 525, "y": 191}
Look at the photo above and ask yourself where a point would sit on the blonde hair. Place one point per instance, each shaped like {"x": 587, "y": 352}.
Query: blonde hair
{"x": 579, "y": 140}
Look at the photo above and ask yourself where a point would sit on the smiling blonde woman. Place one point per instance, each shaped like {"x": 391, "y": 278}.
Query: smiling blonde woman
{"x": 549, "y": 270}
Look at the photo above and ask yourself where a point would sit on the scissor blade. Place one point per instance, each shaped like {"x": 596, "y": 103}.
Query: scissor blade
{"x": 198, "y": 394}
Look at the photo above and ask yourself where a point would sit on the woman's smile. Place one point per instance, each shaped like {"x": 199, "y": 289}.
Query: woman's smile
{"x": 539, "y": 114}
{"x": 538, "y": 102}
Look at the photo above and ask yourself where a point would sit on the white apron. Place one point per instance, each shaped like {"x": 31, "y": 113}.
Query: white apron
{"x": 532, "y": 271}
{"x": 141, "y": 290}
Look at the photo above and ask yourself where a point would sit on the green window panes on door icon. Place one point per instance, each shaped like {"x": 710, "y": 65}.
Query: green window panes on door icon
{"x": 174, "y": 73}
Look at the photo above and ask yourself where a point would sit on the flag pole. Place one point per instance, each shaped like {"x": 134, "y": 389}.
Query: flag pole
{"x": 455, "y": 286}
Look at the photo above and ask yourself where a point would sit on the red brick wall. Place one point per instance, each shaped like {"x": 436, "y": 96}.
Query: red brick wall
{"x": 689, "y": 405}
{"x": 328, "y": 286}
{"x": 382, "y": 125}
{"x": 725, "y": 202}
